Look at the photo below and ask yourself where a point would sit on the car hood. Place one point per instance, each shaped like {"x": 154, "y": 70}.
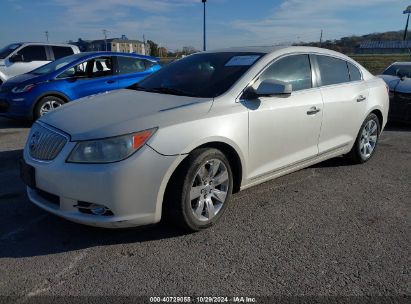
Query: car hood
{"x": 397, "y": 85}
{"x": 2, "y": 62}
{"x": 124, "y": 111}
{"x": 25, "y": 78}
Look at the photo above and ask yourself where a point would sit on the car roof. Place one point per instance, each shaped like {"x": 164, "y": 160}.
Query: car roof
{"x": 46, "y": 43}
{"x": 402, "y": 63}
{"x": 249, "y": 49}
{"x": 103, "y": 53}
{"x": 283, "y": 49}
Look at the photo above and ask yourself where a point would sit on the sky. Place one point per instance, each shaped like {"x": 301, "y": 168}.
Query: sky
{"x": 178, "y": 23}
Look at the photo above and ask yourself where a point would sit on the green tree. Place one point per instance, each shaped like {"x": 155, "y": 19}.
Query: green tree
{"x": 153, "y": 48}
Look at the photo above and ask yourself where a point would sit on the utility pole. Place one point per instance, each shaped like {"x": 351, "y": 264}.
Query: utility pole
{"x": 204, "y": 25}
{"x": 407, "y": 11}
{"x": 105, "y": 39}
{"x": 321, "y": 38}
{"x": 47, "y": 35}
{"x": 144, "y": 44}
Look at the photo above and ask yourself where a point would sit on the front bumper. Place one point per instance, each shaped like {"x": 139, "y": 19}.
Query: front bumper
{"x": 14, "y": 105}
{"x": 400, "y": 107}
{"x": 131, "y": 189}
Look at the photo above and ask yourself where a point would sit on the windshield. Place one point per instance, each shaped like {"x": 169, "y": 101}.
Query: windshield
{"x": 55, "y": 65}
{"x": 201, "y": 75}
{"x": 7, "y": 50}
{"x": 405, "y": 70}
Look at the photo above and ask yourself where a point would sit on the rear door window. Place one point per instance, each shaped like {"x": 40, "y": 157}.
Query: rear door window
{"x": 129, "y": 65}
{"x": 62, "y": 51}
{"x": 33, "y": 53}
{"x": 332, "y": 70}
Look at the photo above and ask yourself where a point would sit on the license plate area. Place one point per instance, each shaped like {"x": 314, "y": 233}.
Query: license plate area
{"x": 28, "y": 174}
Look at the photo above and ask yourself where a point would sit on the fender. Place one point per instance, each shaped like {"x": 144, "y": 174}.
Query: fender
{"x": 182, "y": 156}
{"x": 49, "y": 93}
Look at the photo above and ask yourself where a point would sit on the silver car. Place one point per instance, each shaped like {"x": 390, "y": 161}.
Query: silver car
{"x": 179, "y": 143}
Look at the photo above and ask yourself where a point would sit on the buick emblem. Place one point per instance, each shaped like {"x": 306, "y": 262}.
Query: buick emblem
{"x": 34, "y": 140}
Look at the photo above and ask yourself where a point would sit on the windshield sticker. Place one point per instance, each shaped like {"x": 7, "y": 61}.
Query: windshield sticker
{"x": 242, "y": 60}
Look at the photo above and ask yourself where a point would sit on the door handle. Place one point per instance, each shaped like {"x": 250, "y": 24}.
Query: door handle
{"x": 110, "y": 81}
{"x": 313, "y": 111}
{"x": 361, "y": 98}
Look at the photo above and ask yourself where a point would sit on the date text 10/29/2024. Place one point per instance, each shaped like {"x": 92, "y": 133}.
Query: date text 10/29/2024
{"x": 238, "y": 299}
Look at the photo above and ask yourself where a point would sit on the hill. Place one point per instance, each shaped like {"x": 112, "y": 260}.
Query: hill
{"x": 348, "y": 45}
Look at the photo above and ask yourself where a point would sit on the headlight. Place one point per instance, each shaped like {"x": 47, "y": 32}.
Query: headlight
{"x": 110, "y": 149}
{"x": 22, "y": 89}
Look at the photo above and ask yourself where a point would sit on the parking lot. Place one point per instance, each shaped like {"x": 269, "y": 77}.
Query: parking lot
{"x": 329, "y": 230}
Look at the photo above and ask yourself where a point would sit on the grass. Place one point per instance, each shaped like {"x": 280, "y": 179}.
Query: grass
{"x": 376, "y": 63}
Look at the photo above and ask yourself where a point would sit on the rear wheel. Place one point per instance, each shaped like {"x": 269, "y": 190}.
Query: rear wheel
{"x": 200, "y": 190}
{"x": 366, "y": 141}
{"x": 47, "y": 104}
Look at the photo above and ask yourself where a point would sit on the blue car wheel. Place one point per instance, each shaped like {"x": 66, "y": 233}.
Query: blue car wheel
{"x": 47, "y": 104}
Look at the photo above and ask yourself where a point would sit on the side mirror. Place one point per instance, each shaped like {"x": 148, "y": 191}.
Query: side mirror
{"x": 268, "y": 88}
{"x": 402, "y": 74}
{"x": 16, "y": 58}
{"x": 271, "y": 87}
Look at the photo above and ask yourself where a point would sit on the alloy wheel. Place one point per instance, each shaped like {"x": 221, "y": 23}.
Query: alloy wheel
{"x": 209, "y": 189}
{"x": 49, "y": 106}
{"x": 368, "y": 140}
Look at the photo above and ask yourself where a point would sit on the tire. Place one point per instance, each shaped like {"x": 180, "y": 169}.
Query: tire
{"x": 199, "y": 191}
{"x": 366, "y": 142}
{"x": 47, "y": 104}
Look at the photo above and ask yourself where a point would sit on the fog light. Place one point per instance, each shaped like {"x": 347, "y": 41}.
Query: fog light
{"x": 98, "y": 209}
{"x": 91, "y": 208}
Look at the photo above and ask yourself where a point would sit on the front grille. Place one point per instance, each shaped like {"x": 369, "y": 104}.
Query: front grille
{"x": 4, "y": 106}
{"x": 45, "y": 144}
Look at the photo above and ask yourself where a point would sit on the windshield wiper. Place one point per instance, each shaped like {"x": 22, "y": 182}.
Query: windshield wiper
{"x": 137, "y": 87}
{"x": 173, "y": 91}
{"x": 163, "y": 90}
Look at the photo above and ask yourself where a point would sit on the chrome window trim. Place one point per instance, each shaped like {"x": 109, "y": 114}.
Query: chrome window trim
{"x": 314, "y": 76}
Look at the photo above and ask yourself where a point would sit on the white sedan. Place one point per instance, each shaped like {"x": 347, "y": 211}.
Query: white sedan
{"x": 179, "y": 143}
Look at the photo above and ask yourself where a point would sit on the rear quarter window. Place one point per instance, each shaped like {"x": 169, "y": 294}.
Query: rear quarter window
{"x": 355, "y": 73}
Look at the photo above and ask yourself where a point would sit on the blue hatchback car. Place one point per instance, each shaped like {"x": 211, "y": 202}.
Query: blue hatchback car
{"x": 34, "y": 94}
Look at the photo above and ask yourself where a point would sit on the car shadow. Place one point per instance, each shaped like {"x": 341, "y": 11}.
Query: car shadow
{"x": 398, "y": 127}
{"x": 339, "y": 161}
{"x": 27, "y": 231}
{"x": 9, "y": 123}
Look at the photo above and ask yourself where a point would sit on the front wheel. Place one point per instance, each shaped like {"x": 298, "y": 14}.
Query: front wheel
{"x": 366, "y": 141}
{"x": 200, "y": 190}
{"x": 47, "y": 104}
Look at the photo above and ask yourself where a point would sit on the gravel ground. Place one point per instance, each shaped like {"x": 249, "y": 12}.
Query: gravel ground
{"x": 329, "y": 230}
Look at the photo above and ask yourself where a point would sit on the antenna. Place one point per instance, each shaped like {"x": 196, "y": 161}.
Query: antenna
{"x": 47, "y": 35}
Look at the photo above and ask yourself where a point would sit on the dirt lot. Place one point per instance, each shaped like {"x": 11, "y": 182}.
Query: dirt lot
{"x": 331, "y": 230}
